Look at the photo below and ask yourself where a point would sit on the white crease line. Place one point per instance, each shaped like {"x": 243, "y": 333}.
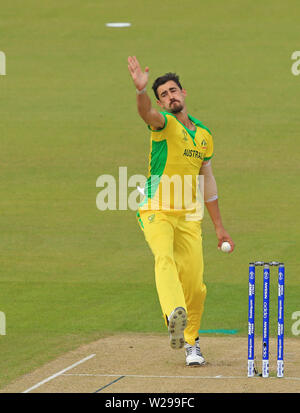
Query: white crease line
{"x": 173, "y": 377}
{"x": 59, "y": 373}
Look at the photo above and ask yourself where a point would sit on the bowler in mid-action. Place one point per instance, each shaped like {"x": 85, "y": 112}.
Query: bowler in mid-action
{"x": 181, "y": 148}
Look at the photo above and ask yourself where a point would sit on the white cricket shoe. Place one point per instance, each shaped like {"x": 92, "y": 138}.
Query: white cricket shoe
{"x": 176, "y": 327}
{"x": 193, "y": 354}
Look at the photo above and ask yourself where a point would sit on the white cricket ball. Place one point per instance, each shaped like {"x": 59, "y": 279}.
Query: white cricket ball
{"x": 225, "y": 247}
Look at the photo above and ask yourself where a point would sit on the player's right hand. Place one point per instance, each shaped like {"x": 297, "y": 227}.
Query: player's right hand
{"x": 140, "y": 78}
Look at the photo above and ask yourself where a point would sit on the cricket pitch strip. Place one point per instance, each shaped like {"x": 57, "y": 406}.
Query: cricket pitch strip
{"x": 145, "y": 363}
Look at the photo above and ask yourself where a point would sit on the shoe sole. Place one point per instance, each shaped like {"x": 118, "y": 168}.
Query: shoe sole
{"x": 177, "y": 325}
{"x": 196, "y": 363}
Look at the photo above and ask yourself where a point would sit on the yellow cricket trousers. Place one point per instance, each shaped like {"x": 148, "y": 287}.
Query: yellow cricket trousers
{"x": 177, "y": 248}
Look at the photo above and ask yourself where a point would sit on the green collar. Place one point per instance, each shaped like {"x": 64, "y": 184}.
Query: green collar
{"x": 198, "y": 123}
{"x": 192, "y": 133}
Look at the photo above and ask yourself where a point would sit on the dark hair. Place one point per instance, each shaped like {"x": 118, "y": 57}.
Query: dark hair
{"x": 164, "y": 79}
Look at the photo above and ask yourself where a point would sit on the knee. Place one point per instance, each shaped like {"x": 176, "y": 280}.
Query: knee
{"x": 164, "y": 261}
{"x": 200, "y": 291}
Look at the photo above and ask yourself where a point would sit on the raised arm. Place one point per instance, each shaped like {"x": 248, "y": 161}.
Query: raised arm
{"x": 140, "y": 79}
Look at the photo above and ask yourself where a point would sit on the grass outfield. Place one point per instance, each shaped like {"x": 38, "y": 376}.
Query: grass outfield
{"x": 69, "y": 273}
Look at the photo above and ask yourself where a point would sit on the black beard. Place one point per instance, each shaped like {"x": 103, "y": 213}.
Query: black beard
{"x": 177, "y": 109}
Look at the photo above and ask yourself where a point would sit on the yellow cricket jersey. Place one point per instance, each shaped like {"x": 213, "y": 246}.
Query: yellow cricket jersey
{"x": 176, "y": 156}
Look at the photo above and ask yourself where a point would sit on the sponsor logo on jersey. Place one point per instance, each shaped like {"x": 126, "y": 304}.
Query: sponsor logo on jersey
{"x": 151, "y": 218}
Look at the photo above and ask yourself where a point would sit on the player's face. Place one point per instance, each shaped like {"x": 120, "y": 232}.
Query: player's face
{"x": 171, "y": 97}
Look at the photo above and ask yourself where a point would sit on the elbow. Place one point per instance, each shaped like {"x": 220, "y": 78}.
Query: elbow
{"x": 210, "y": 189}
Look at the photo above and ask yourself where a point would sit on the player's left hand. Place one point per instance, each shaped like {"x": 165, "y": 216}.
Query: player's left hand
{"x": 223, "y": 236}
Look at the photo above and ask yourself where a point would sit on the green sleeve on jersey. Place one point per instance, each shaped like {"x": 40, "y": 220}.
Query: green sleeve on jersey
{"x": 208, "y": 158}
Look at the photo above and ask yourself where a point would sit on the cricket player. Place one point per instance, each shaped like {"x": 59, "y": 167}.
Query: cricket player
{"x": 181, "y": 148}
